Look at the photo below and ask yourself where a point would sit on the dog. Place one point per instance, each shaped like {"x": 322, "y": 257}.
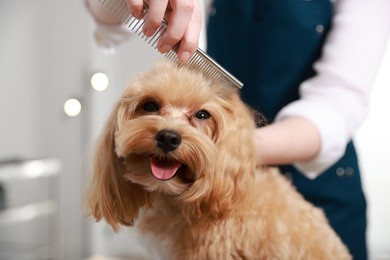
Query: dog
{"x": 177, "y": 160}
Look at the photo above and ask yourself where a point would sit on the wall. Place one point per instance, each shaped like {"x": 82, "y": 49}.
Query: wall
{"x": 373, "y": 143}
{"x": 43, "y": 56}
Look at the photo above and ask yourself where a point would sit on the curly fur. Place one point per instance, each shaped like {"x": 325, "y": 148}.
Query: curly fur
{"x": 219, "y": 205}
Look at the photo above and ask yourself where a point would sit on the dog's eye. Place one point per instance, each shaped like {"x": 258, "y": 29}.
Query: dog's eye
{"x": 151, "y": 106}
{"x": 202, "y": 114}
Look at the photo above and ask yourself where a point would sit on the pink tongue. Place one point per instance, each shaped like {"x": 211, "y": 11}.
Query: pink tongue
{"x": 164, "y": 169}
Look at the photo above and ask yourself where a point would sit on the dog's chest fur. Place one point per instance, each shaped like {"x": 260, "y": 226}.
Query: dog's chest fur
{"x": 275, "y": 218}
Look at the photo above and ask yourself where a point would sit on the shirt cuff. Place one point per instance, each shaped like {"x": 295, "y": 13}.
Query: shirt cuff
{"x": 333, "y": 133}
{"x": 108, "y": 37}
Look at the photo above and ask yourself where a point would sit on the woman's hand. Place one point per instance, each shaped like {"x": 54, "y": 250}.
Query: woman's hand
{"x": 184, "y": 23}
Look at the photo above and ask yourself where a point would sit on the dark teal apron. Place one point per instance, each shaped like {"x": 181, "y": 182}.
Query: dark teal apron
{"x": 270, "y": 46}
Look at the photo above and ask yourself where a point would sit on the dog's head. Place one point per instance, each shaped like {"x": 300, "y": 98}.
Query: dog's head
{"x": 172, "y": 135}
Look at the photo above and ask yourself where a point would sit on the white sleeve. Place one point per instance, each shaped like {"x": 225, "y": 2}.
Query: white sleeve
{"x": 336, "y": 100}
{"x": 108, "y": 36}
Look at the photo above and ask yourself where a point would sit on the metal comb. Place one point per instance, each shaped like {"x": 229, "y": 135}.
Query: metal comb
{"x": 200, "y": 61}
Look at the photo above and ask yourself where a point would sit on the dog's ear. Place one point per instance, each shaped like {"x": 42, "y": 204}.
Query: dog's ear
{"x": 109, "y": 196}
{"x": 236, "y": 159}
{"x": 226, "y": 185}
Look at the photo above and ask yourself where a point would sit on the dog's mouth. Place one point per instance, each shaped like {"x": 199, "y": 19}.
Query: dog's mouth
{"x": 166, "y": 169}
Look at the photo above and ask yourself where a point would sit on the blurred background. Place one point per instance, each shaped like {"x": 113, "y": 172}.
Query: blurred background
{"x": 50, "y": 116}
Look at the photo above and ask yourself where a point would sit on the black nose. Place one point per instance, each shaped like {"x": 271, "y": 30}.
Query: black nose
{"x": 168, "y": 140}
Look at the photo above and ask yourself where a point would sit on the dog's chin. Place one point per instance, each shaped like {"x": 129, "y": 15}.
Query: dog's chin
{"x": 166, "y": 175}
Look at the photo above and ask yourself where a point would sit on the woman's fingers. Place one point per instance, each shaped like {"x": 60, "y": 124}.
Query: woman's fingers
{"x": 190, "y": 40}
{"x": 184, "y": 23}
{"x": 136, "y": 8}
{"x": 155, "y": 15}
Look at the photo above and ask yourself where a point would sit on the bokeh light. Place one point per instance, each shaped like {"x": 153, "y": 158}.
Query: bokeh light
{"x": 72, "y": 107}
{"x": 99, "y": 81}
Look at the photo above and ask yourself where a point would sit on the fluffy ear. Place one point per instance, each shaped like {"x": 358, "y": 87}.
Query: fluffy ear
{"x": 236, "y": 162}
{"x": 109, "y": 196}
{"x": 226, "y": 187}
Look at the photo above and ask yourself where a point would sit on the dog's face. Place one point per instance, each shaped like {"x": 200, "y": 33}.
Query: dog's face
{"x": 168, "y": 124}
{"x": 171, "y": 133}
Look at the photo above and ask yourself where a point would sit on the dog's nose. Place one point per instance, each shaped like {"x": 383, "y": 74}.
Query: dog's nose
{"x": 168, "y": 140}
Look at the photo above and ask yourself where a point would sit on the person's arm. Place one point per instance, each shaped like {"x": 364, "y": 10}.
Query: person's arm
{"x": 336, "y": 100}
{"x": 289, "y": 140}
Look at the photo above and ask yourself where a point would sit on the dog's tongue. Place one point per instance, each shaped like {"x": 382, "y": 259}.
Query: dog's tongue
{"x": 164, "y": 169}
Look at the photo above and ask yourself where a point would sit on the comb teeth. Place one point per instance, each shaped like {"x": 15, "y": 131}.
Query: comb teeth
{"x": 200, "y": 61}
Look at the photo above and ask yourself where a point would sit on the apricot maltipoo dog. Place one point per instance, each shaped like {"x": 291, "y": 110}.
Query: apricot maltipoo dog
{"x": 178, "y": 161}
